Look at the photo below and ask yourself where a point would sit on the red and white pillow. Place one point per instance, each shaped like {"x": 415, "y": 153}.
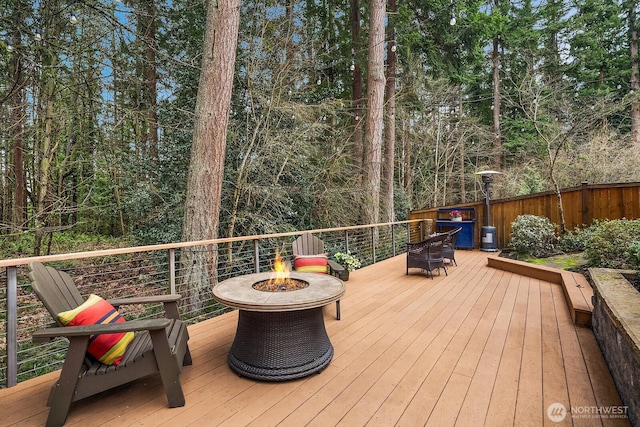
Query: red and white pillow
{"x": 310, "y": 263}
{"x": 106, "y": 348}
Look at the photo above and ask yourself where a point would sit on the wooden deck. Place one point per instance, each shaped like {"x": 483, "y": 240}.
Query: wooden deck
{"x": 480, "y": 346}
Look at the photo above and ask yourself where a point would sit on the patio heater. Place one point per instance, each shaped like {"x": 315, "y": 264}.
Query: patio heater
{"x": 488, "y": 233}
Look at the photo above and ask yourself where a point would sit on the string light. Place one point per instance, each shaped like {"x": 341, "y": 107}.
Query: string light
{"x": 73, "y": 19}
{"x": 452, "y": 21}
{"x": 352, "y": 67}
{"x": 319, "y": 82}
{"x": 394, "y": 46}
{"x": 37, "y": 35}
{"x": 9, "y": 47}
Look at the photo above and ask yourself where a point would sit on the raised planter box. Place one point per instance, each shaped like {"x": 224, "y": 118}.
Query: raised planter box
{"x": 616, "y": 326}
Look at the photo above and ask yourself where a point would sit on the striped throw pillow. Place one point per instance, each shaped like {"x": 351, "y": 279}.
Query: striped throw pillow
{"x": 106, "y": 348}
{"x": 310, "y": 263}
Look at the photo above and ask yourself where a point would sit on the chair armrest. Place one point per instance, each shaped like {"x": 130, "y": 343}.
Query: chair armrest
{"x": 417, "y": 246}
{"x": 334, "y": 266}
{"x": 75, "y": 331}
{"x": 116, "y": 302}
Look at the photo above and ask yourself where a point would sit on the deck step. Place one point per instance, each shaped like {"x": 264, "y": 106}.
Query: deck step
{"x": 576, "y": 287}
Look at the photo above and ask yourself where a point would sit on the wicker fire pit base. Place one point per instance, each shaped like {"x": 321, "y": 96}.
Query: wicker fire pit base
{"x": 281, "y": 335}
{"x": 280, "y": 346}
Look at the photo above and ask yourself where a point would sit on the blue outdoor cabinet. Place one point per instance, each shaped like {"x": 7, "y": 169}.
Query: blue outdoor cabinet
{"x": 466, "y": 237}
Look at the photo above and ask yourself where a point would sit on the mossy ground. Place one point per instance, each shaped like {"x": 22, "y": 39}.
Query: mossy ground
{"x": 572, "y": 262}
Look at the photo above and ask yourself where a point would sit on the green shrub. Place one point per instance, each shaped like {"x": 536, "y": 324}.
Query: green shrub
{"x": 572, "y": 241}
{"x": 609, "y": 243}
{"x": 634, "y": 254}
{"x": 22, "y": 245}
{"x": 533, "y": 235}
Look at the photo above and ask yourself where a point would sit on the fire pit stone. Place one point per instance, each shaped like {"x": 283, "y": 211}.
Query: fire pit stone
{"x": 239, "y": 292}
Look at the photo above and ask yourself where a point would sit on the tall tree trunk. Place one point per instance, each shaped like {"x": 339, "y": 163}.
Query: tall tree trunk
{"x": 17, "y": 129}
{"x": 436, "y": 162}
{"x": 206, "y": 168}
{"x": 635, "y": 78}
{"x": 47, "y": 149}
{"x": 151, "y": 80}
{"x": 461, "y": 153}
{"x": 497, "y": 141}
{"x": 408, "y": 173}
{"x": 375, "y": 105}
{"x": 390, "y": 122}
{"x": 357, "y": 90}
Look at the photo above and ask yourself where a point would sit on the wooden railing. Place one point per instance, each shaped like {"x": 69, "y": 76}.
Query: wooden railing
{"x": 149, "y": 270}
{"x": 582, "y": 205}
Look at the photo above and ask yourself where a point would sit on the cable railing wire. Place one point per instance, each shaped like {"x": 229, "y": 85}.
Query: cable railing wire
{"x": 146, "y": 273}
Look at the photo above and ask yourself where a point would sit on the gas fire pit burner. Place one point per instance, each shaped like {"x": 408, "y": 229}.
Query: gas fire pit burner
{"x": 280, "y": 335}
{"x": 273, "y": 286}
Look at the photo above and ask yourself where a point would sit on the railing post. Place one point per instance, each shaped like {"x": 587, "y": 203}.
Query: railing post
{"x": 12, "y": 326}
{"x": 256, "y": 255}
{"x": 346, "y": 241}
{"x": 373, "y": 244}
{"x": 172, "y": 270}
{"x": 393, "y": 240}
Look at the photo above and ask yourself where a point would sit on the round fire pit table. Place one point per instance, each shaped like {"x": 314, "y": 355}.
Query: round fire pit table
{"x": 280, "y": 335}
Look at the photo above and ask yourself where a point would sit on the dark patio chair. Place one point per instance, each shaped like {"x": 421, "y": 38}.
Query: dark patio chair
{"x": 308, "y": 244}
{"x": 427, "y": 255}
{"x": 158, "y": 345}
{"x": 449, "y": 248}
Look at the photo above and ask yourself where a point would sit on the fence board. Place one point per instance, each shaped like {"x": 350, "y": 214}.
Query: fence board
{"x": 581, "y": 205}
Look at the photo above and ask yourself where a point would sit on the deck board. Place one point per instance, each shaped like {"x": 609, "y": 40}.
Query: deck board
{"x": 554, "y": 386}
{"x": 480, "y": 350}
{"x": 479, "y": 346}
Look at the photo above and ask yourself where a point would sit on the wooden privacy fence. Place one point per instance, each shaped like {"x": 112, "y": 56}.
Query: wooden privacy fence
{"x": 581, "y": 205}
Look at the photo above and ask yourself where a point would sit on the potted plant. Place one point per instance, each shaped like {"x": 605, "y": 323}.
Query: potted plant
{"x": 455, "y": 215}
{"x": 349, "y": 261}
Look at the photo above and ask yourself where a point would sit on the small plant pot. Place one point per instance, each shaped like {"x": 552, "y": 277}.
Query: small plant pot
{"x": 456, "y": 218}
{"x": 343, "y": 275}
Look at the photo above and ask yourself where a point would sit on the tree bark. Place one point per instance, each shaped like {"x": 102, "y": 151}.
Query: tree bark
{"x": 47, "y": 150}
{"x": 375, "y": 105}
{"x": 408, "y": 174}
{"x": 461, "y": 153}
{"x": 390, "y": 122}
{"x": 357, "y": 91}
{"x": 206, "y": 168}
{"x": 151, "y": 80}
{"x": 497, "y": 142}
{"x": 635, "y": 79}
{"x": 17, "y": 125}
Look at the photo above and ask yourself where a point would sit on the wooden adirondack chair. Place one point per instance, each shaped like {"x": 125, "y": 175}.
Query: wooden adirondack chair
{"x": 308, "y": 244}
{"x": 427, "y": 255}
{"x": 159, "y": 345}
